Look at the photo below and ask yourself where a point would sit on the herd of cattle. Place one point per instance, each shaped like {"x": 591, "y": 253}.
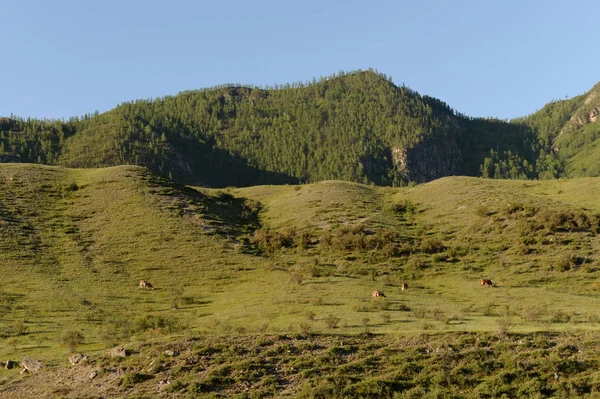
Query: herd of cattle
{"x": 376, "y": 294}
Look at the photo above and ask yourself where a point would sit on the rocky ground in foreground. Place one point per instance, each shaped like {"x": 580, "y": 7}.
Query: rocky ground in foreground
{"x": 460, "y": 365}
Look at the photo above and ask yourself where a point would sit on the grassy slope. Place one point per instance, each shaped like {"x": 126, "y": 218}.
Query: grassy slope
{"x": 72, "y": 258}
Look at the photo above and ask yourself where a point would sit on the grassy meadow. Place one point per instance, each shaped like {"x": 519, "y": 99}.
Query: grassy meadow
{"x": 259, "y": 263}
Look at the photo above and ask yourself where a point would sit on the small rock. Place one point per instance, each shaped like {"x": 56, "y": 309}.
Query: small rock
{"x": 31, "y": 365}
{"x": 118, "y": 352}
{"x": 162, "y": 384}
{"x": 93, "y": 374}
{"x": 171, "y": 353}
{"x": 78, "y": 358}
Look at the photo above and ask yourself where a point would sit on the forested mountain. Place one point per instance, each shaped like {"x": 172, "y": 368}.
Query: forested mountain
{"x": 357, "y": 127}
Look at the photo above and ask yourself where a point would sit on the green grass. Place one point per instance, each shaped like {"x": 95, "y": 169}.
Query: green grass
{"x": 75, "y": 244}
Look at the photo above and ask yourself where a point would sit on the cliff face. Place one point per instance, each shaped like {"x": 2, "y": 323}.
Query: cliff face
{"x": 428, "y": 160}
{"x": 586, "y": 113}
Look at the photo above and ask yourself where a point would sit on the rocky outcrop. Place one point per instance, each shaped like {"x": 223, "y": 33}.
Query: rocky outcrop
{"x": 118, "y": 352}
{"x": 428, "y": 160}
{"x": 594, "y": 114}
{"x": 77, "y": 358}
{"x": 30, "y": 365}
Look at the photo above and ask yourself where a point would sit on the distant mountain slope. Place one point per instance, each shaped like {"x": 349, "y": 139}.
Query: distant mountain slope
{"x": 571, "y": 129}
{"x": 356, "y": 127}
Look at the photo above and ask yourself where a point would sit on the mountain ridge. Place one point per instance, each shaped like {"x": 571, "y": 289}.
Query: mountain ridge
{"x": 355, "y": 126}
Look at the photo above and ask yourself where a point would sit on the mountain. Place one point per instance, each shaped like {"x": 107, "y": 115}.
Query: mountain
{"x": 571, "y": 128}
{"x": 352, "y": 126}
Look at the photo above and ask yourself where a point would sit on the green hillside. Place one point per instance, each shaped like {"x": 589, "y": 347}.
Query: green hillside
{"x": 238, "y": 269}
{"x": 355, "y": 126}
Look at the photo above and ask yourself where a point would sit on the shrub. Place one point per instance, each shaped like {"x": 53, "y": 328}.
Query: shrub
{"x": 381, "y": 238}
{"x": 18, "y": 327}
{"x": 270, "y": 241}
{"x": 225, "y": 197}
{"x": 561, "y": 220}
{"x": 331, "y": 321}
{"x": 438, "y": 314}
{"x": 313, "y": 271}
{"x": 482, "y": 211}
{"x": 386, "y": 280}
{"x": 303, "y": 240}
{"x": 305, "y": 328}
{"x": 403, "y": 308}
{"x": 360, "y": 307}
{"x": 432, "y": 245}
{"x": 420, "y": 313}
{"x": 70, "y": 187}
{"x": 504, "y": 326}
{"x": 488, "y": 309}
{"x": 326, "y": 238}
{"x": 513, "y": 208}
{"x": 365, "y": 323}
{"x": 72, "y": 339}
{"x": 6, "y": 303}
{"x": 194, "y": 388}
{"x": 415, "y": 264}
{"x": 560, "y": 317}
{"x": 381, "y": 304}
{"x": 151, "y": 322}
{"x": 296, "y": 277}
{"x": 175, "y": 386}
{"x": 250, "y": 209}
{"x": 390, "y": 250}
{"x": 240, "y": 330}
{"x": 533, "y": 313}
{"x": 457, "y": 251}
{"x": 130, "y": 379}
{"x": 404, "y": 207}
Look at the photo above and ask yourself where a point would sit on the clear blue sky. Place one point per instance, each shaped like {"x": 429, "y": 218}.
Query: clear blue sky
{"x": 505, "y": 58}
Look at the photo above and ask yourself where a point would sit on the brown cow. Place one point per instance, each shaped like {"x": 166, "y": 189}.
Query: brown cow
{"x": 404, "y": 285}
{"x": 486, "y": 283}
{"x": 145, "y": 284}
{"x": 376, "y": 294}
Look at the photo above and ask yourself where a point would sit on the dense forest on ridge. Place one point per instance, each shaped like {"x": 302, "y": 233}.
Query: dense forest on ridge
{"x": 355, "y": 126}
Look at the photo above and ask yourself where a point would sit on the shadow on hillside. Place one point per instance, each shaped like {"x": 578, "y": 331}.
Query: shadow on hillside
{"x": 222, "y": 213}
{"x": 217, "y": 168}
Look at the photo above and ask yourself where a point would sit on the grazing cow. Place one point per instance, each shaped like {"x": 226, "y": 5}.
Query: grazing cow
{"x": 376, "y": 294}
{"x": 404, "y": 285}
{"x": 145, "y": 284}
{"x": 486, "y": 283}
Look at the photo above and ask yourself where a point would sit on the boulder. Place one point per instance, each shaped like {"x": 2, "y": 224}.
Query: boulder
{"x": 118, "y": 352}
{"x": 77, "y": 358}
{"x": 31, "y": 365}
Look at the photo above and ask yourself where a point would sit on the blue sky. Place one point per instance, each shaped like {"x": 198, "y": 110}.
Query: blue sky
{"x": 504, "y": 59}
